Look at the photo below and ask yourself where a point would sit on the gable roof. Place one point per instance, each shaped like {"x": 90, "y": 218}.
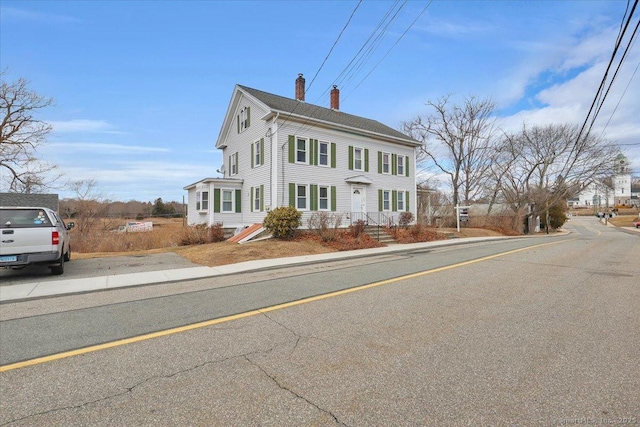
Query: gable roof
{"x": 314, "y": 113}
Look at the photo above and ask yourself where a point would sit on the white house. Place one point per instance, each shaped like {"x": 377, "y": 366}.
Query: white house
{"x": 600, "y": 195}
{"x": 280, "y": 151}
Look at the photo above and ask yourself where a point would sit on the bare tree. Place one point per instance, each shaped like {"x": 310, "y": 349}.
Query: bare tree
{"x": 541, "y": 165}
{"x": 458, "y": 141}
{"x": 21, "y": 133}
{"x": 86, "y": 208}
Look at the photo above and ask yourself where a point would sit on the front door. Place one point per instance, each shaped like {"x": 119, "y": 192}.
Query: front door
{"x": 358, "y": 202}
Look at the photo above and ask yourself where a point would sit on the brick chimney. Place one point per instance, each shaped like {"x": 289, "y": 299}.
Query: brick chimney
{"x": 335, "y": 98}
{"x": 300, "y": 88}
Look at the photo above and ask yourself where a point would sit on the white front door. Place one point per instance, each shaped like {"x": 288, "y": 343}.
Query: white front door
{"x": 358, "y": 199}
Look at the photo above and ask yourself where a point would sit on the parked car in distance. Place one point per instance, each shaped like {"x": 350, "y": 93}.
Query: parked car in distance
{"x": 33, "y": 235}
{"x": 636, "y": 223}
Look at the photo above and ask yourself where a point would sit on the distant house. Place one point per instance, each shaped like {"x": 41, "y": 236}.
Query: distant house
{"x": 279, "y": 151}
{"x": 612, "y": 192}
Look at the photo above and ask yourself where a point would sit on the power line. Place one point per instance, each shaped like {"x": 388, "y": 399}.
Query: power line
{"x": 394, "y": 45}
{"x": 604, "y": 79}
{"x": 619, "y": 101}
{"x": 624, "y": 56}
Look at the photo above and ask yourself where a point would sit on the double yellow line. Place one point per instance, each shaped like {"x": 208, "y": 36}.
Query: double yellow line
{"x": 212, "y": 322}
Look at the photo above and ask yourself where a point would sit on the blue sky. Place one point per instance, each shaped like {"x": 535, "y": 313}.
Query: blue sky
{"x": 141, "y": 88}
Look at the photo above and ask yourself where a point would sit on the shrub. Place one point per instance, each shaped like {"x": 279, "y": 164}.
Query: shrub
{"x": 282, "y": 222}
{"x": 200, "y": 234}
{"x": 326, "y": 225}
{"x": 558, "y": 214}
{"x": 405, "y": 219}
{"x": 357, "y": 228}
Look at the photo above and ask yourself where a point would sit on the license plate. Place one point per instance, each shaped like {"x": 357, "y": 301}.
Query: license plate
{"x": 8, "y": 258}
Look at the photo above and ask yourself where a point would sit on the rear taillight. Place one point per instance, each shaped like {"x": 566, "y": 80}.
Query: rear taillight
{"x": 55, "y": 238}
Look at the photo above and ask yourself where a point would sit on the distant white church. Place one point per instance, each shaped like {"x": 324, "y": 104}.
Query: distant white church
{"x": 602, "y": 195}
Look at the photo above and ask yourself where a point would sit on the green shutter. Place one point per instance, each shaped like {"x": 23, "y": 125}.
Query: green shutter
{"x": 394, "y": 200}
{"x": 312, "y": 152}
{"x": 262, "y": 151}
{"x": 379, "y": 200}
{"x": 262, "y": 198}
{"x": 248, "y": 117}
{"x": 238, "y": 122}
{"x": 252, "y": 154}
{"x": 406, "y": 201}
{"x": 333, "y": 155}
{"x": 366, "y": 160}
{"x": 351, "y": 157}
{"x": 292, "y": 149}
{"x": 406, "y": 166}
{"x": 216, "y": 200}
{"x": 379, "y": 161}
{"x": 394, "y": 164}
{"x": 292, "y": 194}
{"x": 237, "y": 164}
{"x": 333, "y": 198}
{"x": 251, "y": 199}
{"x": 229, "y": 164}
{"x": 238, "y": 201}
{"x": 313, "y": 190}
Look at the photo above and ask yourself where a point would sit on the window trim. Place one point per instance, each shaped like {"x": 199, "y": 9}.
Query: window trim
{"x": 306, "y": 151}
{"x": 306, "y": 197}
{"x": 201, "y": 201}
{"x": 361, "y": 150}
{"x": 257, "y": 154}
{"x": 328, "y": 197}
{"x": 400, "y": 163}
{"x": 328, "y": 155}
{"x": 256, "y": 199}
{"x": 388, "y": 200}
{"x": 387, "y": 163}
{"x": 232, "y": 201}
{"x": 233, "y": 167}
{"x": 400, "y": 195}
{"x": 243, "y": 119}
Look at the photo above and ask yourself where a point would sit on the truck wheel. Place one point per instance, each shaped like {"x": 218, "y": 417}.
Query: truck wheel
{"x": 57, "y": 270}
{"x": 67, "y": 256}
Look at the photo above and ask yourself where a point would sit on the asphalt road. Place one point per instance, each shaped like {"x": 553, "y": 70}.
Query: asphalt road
{"x": 485, "y": 334}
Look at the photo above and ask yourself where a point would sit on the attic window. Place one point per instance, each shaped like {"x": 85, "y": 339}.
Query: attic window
{"x": 244, "y": 118}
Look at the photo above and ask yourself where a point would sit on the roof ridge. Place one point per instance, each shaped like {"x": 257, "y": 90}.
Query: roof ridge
{"x": 279, "y": 102}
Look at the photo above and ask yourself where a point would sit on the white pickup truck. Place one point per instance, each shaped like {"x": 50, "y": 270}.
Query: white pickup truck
{"x": 33, "y": 235}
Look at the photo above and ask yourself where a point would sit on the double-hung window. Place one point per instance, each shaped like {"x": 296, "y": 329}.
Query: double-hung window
{"x": 243, "y": 119}
{"x": 400, "y": 167}
{"x": 256, "y": 199}
{"x": 357, "y": 158}
{"x": 323, "y": 198}
{"x": 302, "y": 150}
{"x": 233, "y": 164}
{"x": 400, "y": 201}
{"x": 257, "y": 153}
{"x": 227, "y": 200}
{"x": 386, "y": 200}
{"x": 202, "y": 200}
{"x": 302, "y": 197}
{"x": 323, "y": 153}
{"x": 386, "y": 163}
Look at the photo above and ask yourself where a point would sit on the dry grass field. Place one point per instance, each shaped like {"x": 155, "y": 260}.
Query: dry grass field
{"x": 168, "y": 233}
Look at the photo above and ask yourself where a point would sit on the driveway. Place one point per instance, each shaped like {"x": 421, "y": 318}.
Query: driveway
{"x": 96, "y": 267}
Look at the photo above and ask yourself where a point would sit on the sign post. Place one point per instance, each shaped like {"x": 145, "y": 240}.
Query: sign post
{"x": 462, "y": 214}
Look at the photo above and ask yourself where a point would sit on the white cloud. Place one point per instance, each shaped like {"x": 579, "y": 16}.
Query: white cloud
{"x": 101, "y": 148}
{"x": 29, "y": 15}
{"x": 83, "y": 125}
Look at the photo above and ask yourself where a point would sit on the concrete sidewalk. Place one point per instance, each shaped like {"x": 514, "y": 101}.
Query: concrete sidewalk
{"x": 33, "y": 290}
